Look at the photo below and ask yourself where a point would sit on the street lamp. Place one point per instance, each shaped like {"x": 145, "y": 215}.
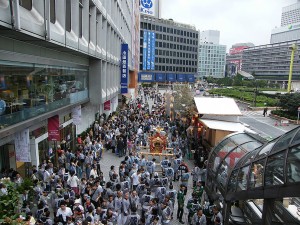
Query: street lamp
{"x": 293, "y": 48}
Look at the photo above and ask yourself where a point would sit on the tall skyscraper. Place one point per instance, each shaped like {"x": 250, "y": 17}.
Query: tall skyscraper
{"x": 290, "y": 14}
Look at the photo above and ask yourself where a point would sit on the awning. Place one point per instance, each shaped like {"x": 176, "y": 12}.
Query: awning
{"x": 217, "y": 106}
{"x": 223, "y": 125}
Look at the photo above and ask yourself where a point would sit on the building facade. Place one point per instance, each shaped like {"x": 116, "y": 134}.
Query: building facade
{"x": 271, "y": 61}
{"x": 167, "y": 47}
{"x": 234, "y": 60}
{"x": 290, "y": 14}
{"x": 59, "y": 66}
{"x": 210, "y": 36}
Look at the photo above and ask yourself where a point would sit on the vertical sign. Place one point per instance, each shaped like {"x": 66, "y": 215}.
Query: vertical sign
{"x": 107, "y": 105}
{"x": 124, "y": 68}
{"x": 22, "y": 146}
{"x": 53, "y": 128}
{"x": 145, "y": 49}
{"x": 148, "y": 7}
{"x": 152, "y": 51}
{"x": 148, "y": 50}
{"x": 76, "y": 115}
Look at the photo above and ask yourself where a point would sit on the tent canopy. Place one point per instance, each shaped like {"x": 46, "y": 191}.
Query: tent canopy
{"x": 223, "y": 125}
{"x": 217, "y": 106}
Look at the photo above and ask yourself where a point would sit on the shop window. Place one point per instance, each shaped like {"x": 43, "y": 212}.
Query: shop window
{"x": 242, "y": 178}
{"x": 274, "y": 170}
{"x": 293, "y": 164}
{"x": 27, "y": 4}
{"x": 256, "y": 175}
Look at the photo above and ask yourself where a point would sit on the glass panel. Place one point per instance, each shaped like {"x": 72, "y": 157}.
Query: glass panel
{"x": 242, "y": 178}
{"x": 247, "y": 159}
{"x": 296, "y": 138}
{"x": 284, "y": 141}
{"x": 29, "y": 90}
{"x": 223, "y": 174}
{"x": 274, "y": 170}
{"x": 293, "y": 164}
{"x": 288, "y": 210}
{"x": 241, "y": 138}
{"x": 265, "y": 150}
{"x": 232, "y": 181}
{"x": 235, "y": 156}
{"x": 256, "y": 176}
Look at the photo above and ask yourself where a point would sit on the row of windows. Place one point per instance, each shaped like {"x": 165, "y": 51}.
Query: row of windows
{"x": 172, "y": 69}
{"x": 176, "y": 61}
{"x": 172, "y": 38}
{"x": 160, "y": 28}
{"x": 162, "y": 52}
{"x": 160, "y": 44}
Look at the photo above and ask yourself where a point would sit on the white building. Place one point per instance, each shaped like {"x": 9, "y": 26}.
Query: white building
{"x": 285, "y": 33}
{"x": 210, "y": 36}
{"x": 211, "y": 55}
{"x": 290, "y": 14}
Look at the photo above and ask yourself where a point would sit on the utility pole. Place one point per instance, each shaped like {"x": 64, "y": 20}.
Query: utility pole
{"x": 293, "y": 48}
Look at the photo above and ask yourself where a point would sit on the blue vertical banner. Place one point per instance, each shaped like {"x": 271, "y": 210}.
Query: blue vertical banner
{"x": 149, "y": 51}
{"x": 145, "y": 40}
{"x": 124, "y": 68}
{"x": 152, "y": 51}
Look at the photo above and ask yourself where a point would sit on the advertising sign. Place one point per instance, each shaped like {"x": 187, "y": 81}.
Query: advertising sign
{"x": 149, "y": 51}
{"x": 22, "y": 146}
{"x": 76, "y": 115}
{"x": 124, "y": 68}
{"x": 237, "y": 50}
{"x": 53, "y": 128}
{"x": 146, "y": 77}
{"x": 181, "y": 77}
{"x": 107, "y": 105}
{"x": 191, "y": 78}
{"x": 152, "y": 67}
{"x": 160, "y": 77}
{"x": 145, "y": 49}
{"x": 171, "y": 77}
{"x": 147, "y": 7}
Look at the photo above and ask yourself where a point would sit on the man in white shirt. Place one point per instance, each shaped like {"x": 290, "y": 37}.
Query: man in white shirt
{"x": 135, "y": 178}
{"x": 63, "y": 212}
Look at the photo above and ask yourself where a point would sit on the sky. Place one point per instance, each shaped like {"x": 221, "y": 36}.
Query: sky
{"x": 237, "y": 20}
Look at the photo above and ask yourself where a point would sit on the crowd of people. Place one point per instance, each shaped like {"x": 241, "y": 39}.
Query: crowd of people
{"x": 141, "y": 190}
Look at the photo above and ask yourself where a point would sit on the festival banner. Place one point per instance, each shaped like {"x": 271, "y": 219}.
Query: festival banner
{"x": 145, "y": 49}
{"x": 107, "y": 105}
{"x": 22, "y": 146}
{"x": 76, "y": 115}
{"x": 124, "y": 68}
{"x": 152, "y": 65}
{"x": 53, "y": 128}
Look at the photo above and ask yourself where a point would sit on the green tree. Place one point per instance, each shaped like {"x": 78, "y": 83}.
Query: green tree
{"x": 238, "y": 80}
{"x": 290, "y": 103}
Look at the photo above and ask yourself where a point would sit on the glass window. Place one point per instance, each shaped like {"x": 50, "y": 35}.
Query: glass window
{"x": 284, "y": 141}
{"x": 296, "y": 138}
{"x": 293, "y": 164}
{"x": 241, "y": 138}
{"x": 256, "y": 175}
{"x": 266, "y": 149}
{"x": 68, "y": 15}
{"x": 247, "y": 159}
{"x": 52, "y": 11}
{"x": 242, "y": 178}
{"x": 222, "y": 175}
{"x": 232, "y": 181}
{"x": 274, "y": 170}
{"x": 29, "y": 90}
{"x": 27, "y": 4}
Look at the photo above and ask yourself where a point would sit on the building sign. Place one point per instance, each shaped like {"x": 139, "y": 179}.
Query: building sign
{"x": 152, "y": 60}
{"x": 107, "y": 105}
{"x": 160, "y": 77}
{"x": 149, "y": 50}
{"x": 124, "y": 68}
{"x": 53, "y": 128}
{"x": 181, "y": 77}
{"x": 145, "y": 49}
{"x": 191, "y": 78}
{"x": 237, "y": 50}
{"x": 147, "y": 7}
{"x": 22, "y": 147}
{"x": 76, "y": 115}
{"x": 146, "y": 77}
{"x": 171, "y": 77}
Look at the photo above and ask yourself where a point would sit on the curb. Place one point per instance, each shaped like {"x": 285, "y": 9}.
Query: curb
{"x": 282, "y": 118}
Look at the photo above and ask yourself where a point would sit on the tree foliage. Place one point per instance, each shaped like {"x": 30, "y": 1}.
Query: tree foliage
{"x": 290, "y": 103}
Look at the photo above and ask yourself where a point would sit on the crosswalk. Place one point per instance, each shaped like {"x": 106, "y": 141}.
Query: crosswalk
{"x": 252, "y": 113}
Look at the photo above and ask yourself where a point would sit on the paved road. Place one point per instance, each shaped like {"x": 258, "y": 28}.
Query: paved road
{"x": 265, "y": 126}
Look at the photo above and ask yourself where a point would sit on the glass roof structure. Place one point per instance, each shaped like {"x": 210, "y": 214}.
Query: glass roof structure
{"x": 244, "y": 166}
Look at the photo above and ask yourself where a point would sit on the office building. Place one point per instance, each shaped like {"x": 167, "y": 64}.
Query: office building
{"x": 271, "y": 61}
{"x": 212, "y": 55}
{"x": 151, "y": 8}
{"x": 286, "y": 33}
{"x": 234, "y": 60}
{"x": 290, "y": 14}
{"x": 210, "y": 36}
{"x": 59, "y": 68}
{"x": 168, "y": 50}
